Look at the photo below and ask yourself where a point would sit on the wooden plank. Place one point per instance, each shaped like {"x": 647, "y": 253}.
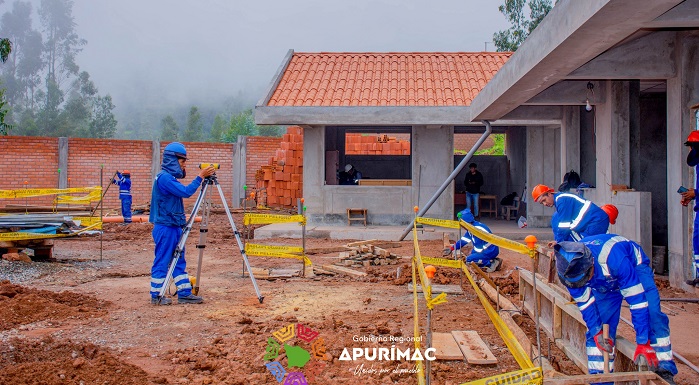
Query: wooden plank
{"x": 359, "y": 243}
{"x": 473, "y": 348}
{"x": 436, "y": 289}
{"x": 343, "y": 270}
{"x": 610, "y": 377}
{"x": 504, "y": 303}
{"x": 551, "y": 294}
{"x": 445, "y": 240}
{"x": 446, "y": 347}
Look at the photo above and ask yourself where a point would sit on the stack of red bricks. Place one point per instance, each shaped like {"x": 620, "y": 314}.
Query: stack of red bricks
{"x": 281, "y": 180}
{"x": 362, "y": 144}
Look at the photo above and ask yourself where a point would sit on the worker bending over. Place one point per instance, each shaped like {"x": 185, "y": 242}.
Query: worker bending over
{"x": 575, "y": 217}
{"x": 600, "y": 271}
{"x": 167, "y": 215}
{"x": 484, "y": 253}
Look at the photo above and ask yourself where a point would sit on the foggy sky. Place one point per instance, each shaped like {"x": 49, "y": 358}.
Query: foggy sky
{"x": 178, "y": 49}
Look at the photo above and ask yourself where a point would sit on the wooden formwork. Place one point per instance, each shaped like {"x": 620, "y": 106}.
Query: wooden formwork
{"x": 562, "y": 321}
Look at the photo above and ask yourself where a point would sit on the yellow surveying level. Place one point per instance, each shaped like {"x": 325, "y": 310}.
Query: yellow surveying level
{"x": 206, "y": 165}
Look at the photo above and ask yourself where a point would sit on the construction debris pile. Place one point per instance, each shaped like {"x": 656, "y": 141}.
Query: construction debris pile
{"x": 361, "y": 255}
{"x": 37, "y": 223}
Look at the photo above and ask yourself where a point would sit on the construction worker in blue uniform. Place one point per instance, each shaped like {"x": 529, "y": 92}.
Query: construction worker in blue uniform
{"x": 575, "y": 217}
{"x": 167, "y": 215}
{"x": 688, "y": 195}
{"x": 123, "y": 180}
{"x": 484, "y": 254}
{"x": 600, "y": 271}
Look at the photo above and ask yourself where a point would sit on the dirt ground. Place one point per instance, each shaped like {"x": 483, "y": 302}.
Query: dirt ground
{"x": 82, "y": 318}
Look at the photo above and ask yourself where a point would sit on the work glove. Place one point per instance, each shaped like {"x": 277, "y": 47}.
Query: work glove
{"x": 447, "y": 251}
{"x": 645, "y": 356}
{"x": 604, "y": 344}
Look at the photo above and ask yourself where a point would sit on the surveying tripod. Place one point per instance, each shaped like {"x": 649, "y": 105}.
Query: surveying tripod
{"x": 203, "y": 230}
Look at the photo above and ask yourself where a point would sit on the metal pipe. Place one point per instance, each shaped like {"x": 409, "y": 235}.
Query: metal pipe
{"x": 692, "y": 300}
{"x": 450, "y": 178}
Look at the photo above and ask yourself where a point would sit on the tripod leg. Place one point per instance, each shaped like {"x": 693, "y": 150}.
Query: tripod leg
{"x": 180, "y": 244}
{"x": 203, "y": 231}
{"x": 240, "y": 243}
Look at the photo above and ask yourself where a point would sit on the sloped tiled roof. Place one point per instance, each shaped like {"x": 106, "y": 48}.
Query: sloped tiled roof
{"x": 385, "y": 79}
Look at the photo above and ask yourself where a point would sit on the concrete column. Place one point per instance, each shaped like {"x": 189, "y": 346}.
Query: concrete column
{"x": 432, "y": 162}
{"x": 682, "y": 93}
{"x": 314, "y": 172}
{"x": 63, "y": 162}
{"x": 155, "y": 159}
{"x": 239, "y": 170}
{"x": 516, "y": 151}
{"x": 570, "y": 140}
{"x": 543, "y": 166}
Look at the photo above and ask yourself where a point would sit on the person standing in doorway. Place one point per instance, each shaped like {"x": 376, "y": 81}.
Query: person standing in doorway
{"x": 473, "y": 183}
{"x": 690, "y": 194}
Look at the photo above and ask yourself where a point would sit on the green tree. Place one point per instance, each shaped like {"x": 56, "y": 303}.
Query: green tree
{"x": 511, "y": 38}
{"x": 170, "y": 131}
{"x": 102, "y": 123}
{"x": 4, "y": 127}
{"x": 498, "y": 147}
{"x": 193, "y": 132}
{"x": 240, "y": 124}
{"x": 217, "y": 128}
{"x": 270, "y": 131}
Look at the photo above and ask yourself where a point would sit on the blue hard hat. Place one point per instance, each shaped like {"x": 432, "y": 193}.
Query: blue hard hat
{"x": 574, "y": 263}
{"x": 466, "y": 215}
{"x": 177, "y": 149}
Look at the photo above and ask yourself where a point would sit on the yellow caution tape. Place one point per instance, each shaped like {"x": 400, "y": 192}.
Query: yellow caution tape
{"x": 424, "y": 281}
{"x": 531, "y": 376}
{"x": 512, "y": 344}
{"x": 496, "y": 240}
{"x": 442, "y": 262}
{"x": 33, "y": 192}
{"x": 291, "y": 252}
{"x": 438, "y": 222}
{"x": 263, "y": 219}
{"x": 89, "y": 221}
{"x": 93, "y": 196}
{"x": 416, "y": 328}
{"x": 17, "y": 236}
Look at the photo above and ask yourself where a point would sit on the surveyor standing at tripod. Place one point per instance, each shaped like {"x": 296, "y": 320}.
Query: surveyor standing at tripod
{"x": 167, "y": 215}
{"x": 123, "y": 180}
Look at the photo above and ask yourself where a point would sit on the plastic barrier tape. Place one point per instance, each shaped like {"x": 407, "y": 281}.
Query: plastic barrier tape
{"x": 438, "y": 222}
{"x": 16, "y": 236}
{"x": 521, "y": 377}
{"x": 292, "y": 252}
{"x": 34, "y": 192}
{"x": 416, "y": 327}
{"x": 89, "y": 221}
{"x": 426, "y": 288}
{"x": 495, "y": 240}
{"x": 512, "y": 344}
{"x": 442, "y": 262}
{"x": 93, "y": 196}
{"x": 264, "y": 219}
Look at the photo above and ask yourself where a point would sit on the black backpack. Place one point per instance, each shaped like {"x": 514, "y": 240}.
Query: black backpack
{"x": 571, "y": 180}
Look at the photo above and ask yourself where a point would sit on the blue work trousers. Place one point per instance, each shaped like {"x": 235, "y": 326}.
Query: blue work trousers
{"x": 126, "y": 207}
{"x": 166, "y": 238}
{"x": 473, "y": 206}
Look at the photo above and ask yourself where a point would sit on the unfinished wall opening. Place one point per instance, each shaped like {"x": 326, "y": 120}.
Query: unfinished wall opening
{"x": 381, "y": 154}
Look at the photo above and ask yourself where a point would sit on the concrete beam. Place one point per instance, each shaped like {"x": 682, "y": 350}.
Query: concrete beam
{"x": 529, "y": 113}
{"x": 63, "y": 162}
{"x": 684, "y": 15}
{"x": 239, "y": 171}
{"x": 568, "y": 93}
{"x": 572, "y": 34}
{"x": 648, "y": 57}
{"x": 347, "y": 116}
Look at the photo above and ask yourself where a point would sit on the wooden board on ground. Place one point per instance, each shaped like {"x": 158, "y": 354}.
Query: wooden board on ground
{"x": 446, "y": 347}
{"x": 343, "y": 270}
{"x": 326, "y": 250}
{"x": 473, "y": 347}
{"x": 436, "y": 289}
{"x": 274, "y": 273}
{"x": 359, "y": 243}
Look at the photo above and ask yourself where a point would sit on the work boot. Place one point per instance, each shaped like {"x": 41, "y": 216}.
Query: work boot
{"x": 693, "y": 282}
{"x": 667, "y": 376}
{"x": 494, "y": 266}
{"x": 190, "y": 299}
{"x": 163, "y": 301}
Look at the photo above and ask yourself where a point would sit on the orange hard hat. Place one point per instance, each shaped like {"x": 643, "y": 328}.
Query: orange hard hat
{"x": 692, "y": 138}
{"x": 126, "y": 172}
{"x": 612, "y": 211}
{"x": 540, "y": 189}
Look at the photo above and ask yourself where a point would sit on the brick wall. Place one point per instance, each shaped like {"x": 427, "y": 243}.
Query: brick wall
{"x": 259, "y": 150}
{"x": 30, "y": 159}
{"x": 465, "y": 142}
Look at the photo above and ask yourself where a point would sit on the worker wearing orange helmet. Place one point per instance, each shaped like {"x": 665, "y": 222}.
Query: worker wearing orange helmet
{"x": 123, "y": 180}
{"x": 687, "y": 196}
{"x": 612, "y": 212}
{"x": 575, "y": 217}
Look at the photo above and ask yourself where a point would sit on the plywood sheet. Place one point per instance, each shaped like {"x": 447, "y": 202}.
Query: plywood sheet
{"x": 473, "y": 347}
{"x": 446, "y": 347}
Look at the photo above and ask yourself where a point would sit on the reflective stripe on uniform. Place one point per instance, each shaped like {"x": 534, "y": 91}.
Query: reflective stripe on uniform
{"x": 633, "y": 290}
{"x": 664, "y": 356}
{"x": 604, "y": 253}
{"x": 662, "y": 341}
{"x": 594, "y": 351}
{"x": 586, "y": 305}
{"x": 638, "y": 306}
{"x": 157, "y": 280}
{"x": 581, "y": 214}
{"x": 585, "y": 297}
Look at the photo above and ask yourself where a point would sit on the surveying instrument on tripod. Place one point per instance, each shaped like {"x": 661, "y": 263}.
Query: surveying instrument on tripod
{"x": 203, "y": 230}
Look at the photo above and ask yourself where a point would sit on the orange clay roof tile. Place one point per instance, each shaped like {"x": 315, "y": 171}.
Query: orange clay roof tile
{"x": 386, "y": 79}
